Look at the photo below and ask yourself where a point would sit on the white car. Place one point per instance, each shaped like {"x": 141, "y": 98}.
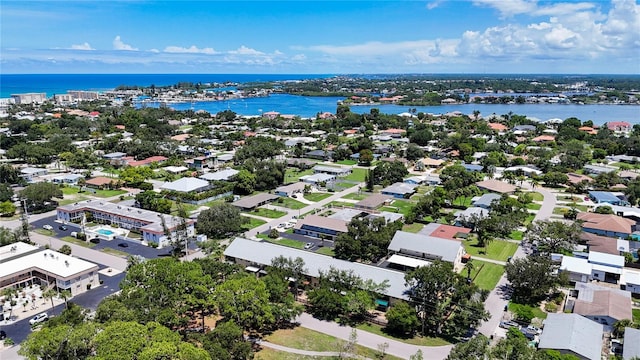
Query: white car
{"x": 308, "y": 245}
{"x": 47, "y": 227}
{"x": 534, "y": 329}
{"x": 39, "y": 318}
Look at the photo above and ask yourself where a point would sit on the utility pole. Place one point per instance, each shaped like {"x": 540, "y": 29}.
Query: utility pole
{"x": 25, "y": 222}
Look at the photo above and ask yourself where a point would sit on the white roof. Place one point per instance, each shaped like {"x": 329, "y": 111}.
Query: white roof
{"x": 61, "y": 265}
{"x": 175, "y": 169}
{"x": 263, "y": 252}
{"x": 219, "y": 175}
{"x": 605, "y": 268}
{"x": 186, "y": 184}
{"x": 574, "y": 333}
{"x": 575, "y": 265}
{"x": 630, "y": 277}
{"x": 444, "y": 248}
{"x": 319, "y": 177}
{"x": 606, "y": 259}
{"x": 407, "y": 261}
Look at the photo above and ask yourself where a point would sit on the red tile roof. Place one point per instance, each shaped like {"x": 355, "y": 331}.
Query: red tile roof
{"x": 100, "y": 181}
{"x": 449, "y": 232}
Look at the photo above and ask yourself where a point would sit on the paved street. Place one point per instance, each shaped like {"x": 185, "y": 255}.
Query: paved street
{"x": 499, "y": 297}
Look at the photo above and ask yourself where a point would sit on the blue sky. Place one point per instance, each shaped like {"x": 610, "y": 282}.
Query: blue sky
{"x": 321, "y": 37}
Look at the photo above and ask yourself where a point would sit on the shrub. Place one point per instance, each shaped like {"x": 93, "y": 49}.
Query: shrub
{"x": 273, "y": 234}
{"x": 153, "y": 245}
{"x": 523, "y": 313}
{"x": 9, "y": 342}
{"x": 550, "y": 307}
{"x": 559, "y": 299}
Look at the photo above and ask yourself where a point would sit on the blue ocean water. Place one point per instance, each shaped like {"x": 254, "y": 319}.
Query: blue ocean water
{"x": 59, "y": 83}
{"x": 296, "y": 105}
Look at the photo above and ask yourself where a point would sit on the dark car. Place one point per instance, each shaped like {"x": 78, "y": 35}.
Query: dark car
{"x": 95, "y": 240}
{"x": 123, "y": 244}
{"x": 3, "y": 335}
{"x": 63, "y": 227}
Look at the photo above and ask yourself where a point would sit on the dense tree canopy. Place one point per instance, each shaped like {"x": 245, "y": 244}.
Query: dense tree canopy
{"x": 220, "y": 220}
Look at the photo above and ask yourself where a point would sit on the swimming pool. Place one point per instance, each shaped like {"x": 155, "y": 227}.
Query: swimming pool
{"x": 106, "y": 232}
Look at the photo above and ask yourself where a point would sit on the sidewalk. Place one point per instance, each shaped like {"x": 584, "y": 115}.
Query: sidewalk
{"x": 370, "y": 340}
{"x": 302, "y": 352}
{"x": 33, "y": 308}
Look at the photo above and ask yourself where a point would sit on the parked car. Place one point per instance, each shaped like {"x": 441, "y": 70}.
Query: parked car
{"x": 308, "y": 245}
{"x": 509, "y": 324}
{"x": 123, "y": 244}
{"x": 63, "y": 227}
{"x": 529, "y": 334}
{"x": 95, "y": 240}
{"x": 3, "y": 335}
{"x": 534, "y": 329}
{"x": 39, "y": 318}
{"x": 47, "y": 227}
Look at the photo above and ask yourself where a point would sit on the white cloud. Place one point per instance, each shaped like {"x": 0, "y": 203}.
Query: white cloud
{"x": 509, "y": 7}
{"x": 243, "y": 50}
{"x": 432, "y": 4}
{"x": 118, "y": 44}
{"x": 84, "y": 46}
{"x": 190, "y": 50}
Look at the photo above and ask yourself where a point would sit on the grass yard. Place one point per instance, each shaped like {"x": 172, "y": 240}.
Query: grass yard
{"x": 188, "y": 208}
{"x": 516, "y": 235}
{"x": 485, "y": 274}
{"x": 253, "y": 223}
{"x": 412, "y": 228}
{"x": 109, "y": 193}
{"x": 537, "y": 312}
{"x": 316, "y": 196}
{"x": 357, "y": 174}
{"x": 462, "y": 201}
{"x": 325, "y": 250}
{"x": 306, "y": 339}
{"x": 72, "y": 199}
{"x": 340, "y": 203}
{"x": 44, "y": 232}
{"x": 286, "y": 242}
{"x": 115, "y": 252}
{"x": 496, "y": 250}
{"x": 356, "y": 196}
{"x": 347, "y": 162}
{"x": 268, "y": 213}
{"x": 78, "y": 242}
{"x": 529, "y": 219}
{"x": 536, "y": 196}
{"x": 636, "y": 315}
{"x": 399, "y": 206}
{"x": 98, "y": 193}
{"x": 417, "y": 340}
{"x": 292, "y": 175}
{"x": 533, "y": 206}
{"x": 270, "y": 354}
{"x": 289, "y": 203}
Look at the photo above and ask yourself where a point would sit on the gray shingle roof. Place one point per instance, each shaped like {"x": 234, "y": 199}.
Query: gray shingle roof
{"x": 444, "y": 248}
{"x": 572, "y": 332}
{"x": 186, "y": 184}
{"x": 631, "y": 343}
{"x": 263, "y": 252}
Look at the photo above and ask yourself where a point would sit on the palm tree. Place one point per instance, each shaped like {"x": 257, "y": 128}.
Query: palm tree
{"x": 469, "y": 267}
{"x": 620, "y": 325}
{"x": 66, "y": 295}
{"x": 50, "y": 294}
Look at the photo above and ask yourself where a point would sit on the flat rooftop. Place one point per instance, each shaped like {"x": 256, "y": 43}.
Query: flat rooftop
{"x": 53, "y": 262}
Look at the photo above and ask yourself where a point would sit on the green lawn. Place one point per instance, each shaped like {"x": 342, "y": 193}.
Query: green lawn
{"x": 287, "y": 242}
{"x": 347, "y": 162}
{"x": 497, "y": 249}
{"x": 533, "y": 206}
{"x": 516, "y": 235}
{"x": 529, "y": 219}
{"x": 357, "y": 174}
{"x": 266, "y": 353}
{"x": 268, "y": 213}
{"x": 325, "y": 250}
{"x": 44, "y": 232}
{"x": 115, "y": 252}
{"x": 462, "y": 201}
{"x": 412, "y": 228}
{"x": 417, "y": 340}
{"x": 78, "y": 242}
{"x": 356, "y": 196}
{"x": 399, "y": 206}
{"x": 109, "y": 193}
{"x": 307, "y": 339}
{"x": 188, "y": 208}
{"x": 73, "y": 199}
{"x": 536, "y": 196}
{"x": 253, "y": 223}
{"x": 636, "y": 315}
{"x": 485, "y": 274}
{"x": 289, "y": 203}
{"x": 340, "y": 203}
{"x": 316, "y": 196}
{"x": 537, "y": 312}
{"x": 292, "y": 175}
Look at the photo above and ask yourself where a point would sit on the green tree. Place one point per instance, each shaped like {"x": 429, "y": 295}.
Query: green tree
{"x": 476, "y": 348}
{"x": 220, "y": 220}
{"x": 366, "y": 239}
{"x": 7, "y": 208}
{"x": 65, "y": 249}
{"x": 245, "y": 301}
{"x": 555, "y": 178}
{"x": 531, "y": 278}
{"x": 226, "y": 342}
{"x": 366, "y": 157}
{"x": 389, "y": 172}
{"x": 402, "y": 319}
{"x": 40, "y": 196}
{"x": 6, "y": 192}
{"x": 414, "y": 152}
{"x": 553, "y": 236}
{"x": 244, "y": 182}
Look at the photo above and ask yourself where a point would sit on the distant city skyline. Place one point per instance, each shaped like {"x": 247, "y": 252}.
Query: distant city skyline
{"x": 321, "y": 37}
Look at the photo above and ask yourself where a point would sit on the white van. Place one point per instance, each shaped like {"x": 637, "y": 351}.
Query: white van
{"x": 74, "y": 234}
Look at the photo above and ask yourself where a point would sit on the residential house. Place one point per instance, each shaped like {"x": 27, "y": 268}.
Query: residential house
{"x": 373, "y": 201}
{"x": 220, "y": 175}
{"x": 607, "y": 224}
{"x": 602, "y": 304}
{"x": 186, "y": 185}
{"x": 631, "y": 344}
{"x": 115, "y": 158}
{"x": 445, "y": 231}
{"x": 424, "y": 248}
{"x": 472, "y": 167}
{"x": 291, "y": 189}
{"x": 318, "y": 179}
{"x": 400, "y": 190}
{"x": 523, "y": 129}
{"x": 319, "y": 154}
{"x": 100, "y": 182}
{"x": 335, "y": 171}
{"x": 147, "y": 161}
{"x": 544, "y": 138}
{"x": 256, "y": 256}
{"x": 604, "y": 244}
{"x": 593, "y": 266}
{"x": 496, "y": 186}
{"x": 619, "y": 126}
{"x": 599, "y": 169}
{"x": 577, "y": 178}
{"x": 607, "y": 197}
{"x": 320, "y": 227}
{"x": 470, "y": 215}
{"x": 485, "y": 200}
{"x": 31, "y": 173}
{"x": 251, "y": 202}
{"x": 527, "y": 170}
{"x": 572, "y": 334}
{"x": 415, "y": 180}
{"x": 69, "y": 179}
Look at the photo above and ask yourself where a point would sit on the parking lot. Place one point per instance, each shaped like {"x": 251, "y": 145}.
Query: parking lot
{"x": 130, "y": 246}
